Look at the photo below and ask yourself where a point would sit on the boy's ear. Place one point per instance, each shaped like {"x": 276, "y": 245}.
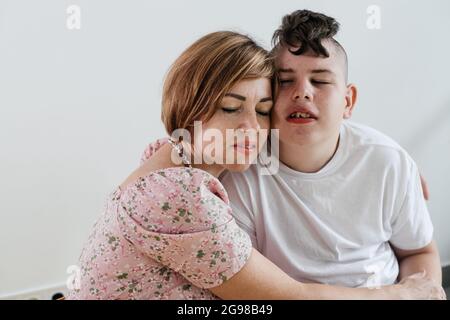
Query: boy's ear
{"x": 350, "y": 100}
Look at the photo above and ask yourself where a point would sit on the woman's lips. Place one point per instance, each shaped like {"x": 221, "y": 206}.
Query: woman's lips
{"x": 245, "y": 148}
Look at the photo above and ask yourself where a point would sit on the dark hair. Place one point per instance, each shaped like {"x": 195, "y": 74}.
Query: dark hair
{"x": 306, "y": 29}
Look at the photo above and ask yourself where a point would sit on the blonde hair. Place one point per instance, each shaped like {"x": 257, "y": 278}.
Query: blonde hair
{"x": 199, "y": 79}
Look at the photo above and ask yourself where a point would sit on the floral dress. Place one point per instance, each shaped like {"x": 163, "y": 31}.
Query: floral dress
{"x": 169, "y": 235}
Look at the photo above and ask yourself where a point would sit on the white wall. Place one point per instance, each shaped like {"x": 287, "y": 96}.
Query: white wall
{"x": 78, "y": 106}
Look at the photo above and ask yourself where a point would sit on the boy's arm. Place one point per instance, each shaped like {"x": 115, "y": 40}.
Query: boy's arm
{"x": 426, "y": 192}
{"x": 424, "y": 259}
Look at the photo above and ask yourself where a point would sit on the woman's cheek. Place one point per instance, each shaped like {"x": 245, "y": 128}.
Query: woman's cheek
{"x": 265, "y": 123}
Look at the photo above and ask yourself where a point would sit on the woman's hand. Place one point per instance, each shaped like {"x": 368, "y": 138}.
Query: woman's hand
{"x": 261, "y": 279}
{"x": 419, "y": 287}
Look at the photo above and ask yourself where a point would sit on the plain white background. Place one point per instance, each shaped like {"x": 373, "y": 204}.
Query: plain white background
{"x": 77, "y": 107}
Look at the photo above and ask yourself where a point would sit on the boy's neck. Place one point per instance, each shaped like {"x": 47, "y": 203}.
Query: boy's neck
{"x": 308, "y": 158}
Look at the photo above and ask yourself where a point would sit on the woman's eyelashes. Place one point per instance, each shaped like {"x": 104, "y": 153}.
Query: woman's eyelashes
{"x": 263, "y": 113}
{"x": 234, "y": 110}
{"x": 230, "y": 110}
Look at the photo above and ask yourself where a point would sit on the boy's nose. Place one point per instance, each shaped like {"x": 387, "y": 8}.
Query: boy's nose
{"x": 298, "y": 97}
{"x": 302, "y": 92}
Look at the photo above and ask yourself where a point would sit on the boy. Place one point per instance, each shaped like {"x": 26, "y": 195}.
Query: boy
{"x": 346, "y": 207}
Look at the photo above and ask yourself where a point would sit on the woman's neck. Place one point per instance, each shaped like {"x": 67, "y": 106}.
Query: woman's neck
{"x": 213, "y": 169}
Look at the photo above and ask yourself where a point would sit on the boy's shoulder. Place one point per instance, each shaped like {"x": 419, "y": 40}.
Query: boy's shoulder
{"x": 361, "y": 137}
{"x": 365, "y": 135}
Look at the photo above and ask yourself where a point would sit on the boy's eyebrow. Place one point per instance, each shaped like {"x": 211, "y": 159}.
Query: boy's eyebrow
{"x": 285, "y": 70}
{"x": 322, "y": 71}
{"x": 242, "y": 98}
{"x": 290, "y": 70}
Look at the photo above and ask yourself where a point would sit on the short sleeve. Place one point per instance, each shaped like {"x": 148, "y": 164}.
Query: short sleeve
{"x": 181, "y": 218}
{"x": 412, "y": 227}
{"x": 239, "y": 192}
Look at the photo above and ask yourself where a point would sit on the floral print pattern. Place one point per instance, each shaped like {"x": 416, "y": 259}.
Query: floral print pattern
{"x": 169, "y": 235}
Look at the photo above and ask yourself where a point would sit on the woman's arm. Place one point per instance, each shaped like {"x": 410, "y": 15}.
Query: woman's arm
{"x": 261, "y": 279}
{"x": 413, "y": 261}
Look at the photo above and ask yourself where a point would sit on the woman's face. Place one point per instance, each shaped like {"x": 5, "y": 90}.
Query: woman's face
{"x": 239, "y": 127}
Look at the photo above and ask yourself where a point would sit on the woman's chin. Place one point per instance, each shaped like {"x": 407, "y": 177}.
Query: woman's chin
{"x": 237, "y": 167}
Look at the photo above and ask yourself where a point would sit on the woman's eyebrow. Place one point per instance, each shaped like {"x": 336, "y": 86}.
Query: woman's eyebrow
{"x": 236, "y": 96}
{"x": 242, "y": 98}
{"x": 266, "y": 99}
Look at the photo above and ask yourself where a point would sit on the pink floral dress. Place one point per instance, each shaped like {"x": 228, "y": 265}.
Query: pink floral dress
{"x": 169, "y": 235}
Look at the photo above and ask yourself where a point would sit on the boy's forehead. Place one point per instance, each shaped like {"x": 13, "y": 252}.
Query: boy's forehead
{"x": 308, "y": 61}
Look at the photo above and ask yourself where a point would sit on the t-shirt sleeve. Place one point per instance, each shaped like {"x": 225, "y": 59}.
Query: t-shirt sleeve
{"x": 182, "y": 223}
{"x": 412, "y": 227}
{"x": 239, "y": 192}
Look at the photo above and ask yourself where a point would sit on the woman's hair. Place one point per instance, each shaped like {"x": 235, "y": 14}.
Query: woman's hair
{"x": 199, "y": 79}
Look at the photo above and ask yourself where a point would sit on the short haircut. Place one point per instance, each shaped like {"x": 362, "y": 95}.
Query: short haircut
{"x": 202, "y": 75}
{"x": 307, "y": 30}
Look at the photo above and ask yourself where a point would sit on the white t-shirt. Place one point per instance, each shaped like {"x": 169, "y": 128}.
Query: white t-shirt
{"x": 334, "y": 226}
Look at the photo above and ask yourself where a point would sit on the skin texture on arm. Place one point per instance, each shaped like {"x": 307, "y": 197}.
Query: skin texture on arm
{"x": 261, "y": 279}
{"x": 424, "y": 259}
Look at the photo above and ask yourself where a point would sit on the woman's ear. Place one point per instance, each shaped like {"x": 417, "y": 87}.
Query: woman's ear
{"x": 350, "y": 100}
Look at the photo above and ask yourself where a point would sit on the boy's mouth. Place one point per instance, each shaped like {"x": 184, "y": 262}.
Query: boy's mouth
{"x": 302, "y": 117}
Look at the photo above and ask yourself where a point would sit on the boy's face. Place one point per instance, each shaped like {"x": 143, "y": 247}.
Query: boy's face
{"x": 313, "y": 97}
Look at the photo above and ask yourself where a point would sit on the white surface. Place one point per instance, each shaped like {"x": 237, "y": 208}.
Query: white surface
{"x": 39, "y": 293}
{"x": 77, "y": 107}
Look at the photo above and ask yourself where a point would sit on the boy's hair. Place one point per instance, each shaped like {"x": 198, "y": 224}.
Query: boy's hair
{"x": 205, "y": 72}
{"x": 307, "y": 30}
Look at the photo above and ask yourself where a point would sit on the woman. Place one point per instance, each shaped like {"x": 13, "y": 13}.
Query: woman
{"x": 167, "y": 231}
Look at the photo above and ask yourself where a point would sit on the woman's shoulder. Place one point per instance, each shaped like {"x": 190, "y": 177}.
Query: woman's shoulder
{"x": 151, "y": 148}
{"x": 174, "y": 200}
{"x": 156, "y": 170}
{"x": 177, "y": 181}
{"x": 176, "y": 197}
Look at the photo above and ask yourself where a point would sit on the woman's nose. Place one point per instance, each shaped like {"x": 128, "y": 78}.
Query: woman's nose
{"x": 250, "y": 122}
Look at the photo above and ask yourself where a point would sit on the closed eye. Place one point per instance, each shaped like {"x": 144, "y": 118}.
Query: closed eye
{"x": 285, "y": 82}
{"x": 319, "y": 82}
{"x": 229, "y": 110}
{"x": 262, "y": 113}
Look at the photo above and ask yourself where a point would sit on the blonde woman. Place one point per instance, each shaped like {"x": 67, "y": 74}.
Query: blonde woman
{"x": 167, "y": 231}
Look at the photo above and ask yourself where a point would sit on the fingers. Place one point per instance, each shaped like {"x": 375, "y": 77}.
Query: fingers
{"x": 443, "y": 294}
{"x": 419, "y": 286}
